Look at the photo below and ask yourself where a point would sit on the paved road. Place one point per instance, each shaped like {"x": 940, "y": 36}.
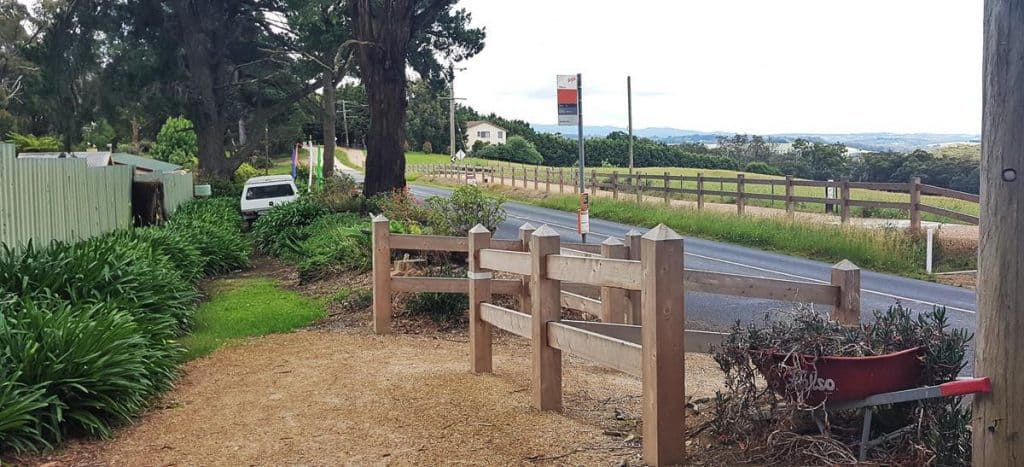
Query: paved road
{"x": 716, "y": 312}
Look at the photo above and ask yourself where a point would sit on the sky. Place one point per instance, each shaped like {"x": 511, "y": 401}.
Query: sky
{"x": 749, "y": 66}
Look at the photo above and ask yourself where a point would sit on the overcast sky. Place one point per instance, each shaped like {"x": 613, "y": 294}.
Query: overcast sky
{"x": 736, "y": 65}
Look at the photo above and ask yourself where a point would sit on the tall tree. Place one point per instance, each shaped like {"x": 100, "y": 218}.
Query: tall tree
{"x": 391, "y": 34}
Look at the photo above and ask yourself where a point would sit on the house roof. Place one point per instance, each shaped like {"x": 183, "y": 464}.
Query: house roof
{"x": 473, "y": 123}
{"x": 92, "y": 159}
{"x": 145, "y": 163}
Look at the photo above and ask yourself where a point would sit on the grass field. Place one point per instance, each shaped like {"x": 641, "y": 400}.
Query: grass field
{"x": 605, "y": 173}
{"x": 248, "y": 307}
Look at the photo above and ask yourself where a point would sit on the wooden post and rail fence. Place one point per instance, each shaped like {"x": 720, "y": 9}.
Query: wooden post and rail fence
{"x": 668, "y": 187}
{"x": 636, "y": 288}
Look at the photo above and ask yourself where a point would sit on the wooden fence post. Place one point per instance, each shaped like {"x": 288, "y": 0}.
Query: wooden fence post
{"x": 547, "y": 180}
{"x": 789, "y": 194}
{"x": 615, "y": 184}
{"x": 846, "y": 276}
{"x": 479, "y": 292}
{"x": 664, "y": 380}
{"x": 741, "y": 202}
{"x": 700, "y": 190}
{"x": 381, "y": 275}
{"x": 639, "y": 189}
{"x": 545, "y": 295}
{"x": 513, "y": 169}
{"x": 915, "y": 204}
{"x": 536, "y": 177}
{"x": 844, "y": 194}
{"x": 593, "y": 182}
{"x": 561, "y": 180}
{"x": 525, "y": 233}
{"x": 615, "y": 306}
{"x": 665, "y": 186}
{"x": 633, "y": 240}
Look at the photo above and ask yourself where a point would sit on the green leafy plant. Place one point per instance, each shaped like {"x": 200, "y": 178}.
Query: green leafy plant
{"x": 19, "y": 403}
{"x": 335, "y": 242}
{"x": 32, "y": 143}
{"x": 177, "y": 142}
{"x": 214, "y": 228}
{"x": 245, "y": 172}
{"x": 467, "y": 206}
{"x": 516, "y": 149}
{"x": 281, "y": 230}
{"x": 339, "y": 194}
{"x": 398, "y": 206}
{"x": 442, "y": 308}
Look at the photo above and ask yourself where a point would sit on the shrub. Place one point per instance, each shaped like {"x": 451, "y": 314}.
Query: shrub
{"x": 19, "y": 403}
{"x": 478, "y": 145}
{"x": 761, "y": 168}
{"x": 442, "y": 308}
{"x": 398, "y": 206}
{"x": 280, "y": 230}
{"x": 339, "y": 194}
{"x": 214, "y": 228}
{"x": 177, "y": 143}
{"x": 94, "y": 363}
{"x": 177, "y": 246}
{"x": 466, "y": 207}
{"x": 517, "y": 149}
{"x": 32, "y": 143}
{"x": 428, "y": 148}
{"x": 245, "y": 172}
{"x": 335, "y": 242}
{"x": 262, "y": 162}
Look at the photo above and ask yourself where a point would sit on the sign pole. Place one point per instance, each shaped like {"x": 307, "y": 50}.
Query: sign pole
{"x": 629, "y": 104}
{"x": 579, "y": 140}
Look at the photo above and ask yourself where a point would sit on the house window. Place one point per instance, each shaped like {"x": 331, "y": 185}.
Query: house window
{"x": 483, "y": 134}
{"x": 501, "y": 135}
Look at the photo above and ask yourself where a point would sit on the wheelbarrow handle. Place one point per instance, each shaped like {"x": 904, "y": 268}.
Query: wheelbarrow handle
{"x": 966, "y": 386}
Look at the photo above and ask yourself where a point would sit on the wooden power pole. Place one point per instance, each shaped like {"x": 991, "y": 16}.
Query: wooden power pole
{"x": 998, "y": 425}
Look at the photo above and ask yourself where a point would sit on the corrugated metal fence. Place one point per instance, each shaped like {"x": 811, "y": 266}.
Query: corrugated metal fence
{"x": 60, "y": 199}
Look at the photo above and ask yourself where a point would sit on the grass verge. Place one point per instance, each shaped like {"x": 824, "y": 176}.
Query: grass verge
{"x": 247, "y": 307}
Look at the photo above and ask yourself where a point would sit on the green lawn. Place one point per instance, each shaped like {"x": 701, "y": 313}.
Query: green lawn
{"x": 247, "y": 307}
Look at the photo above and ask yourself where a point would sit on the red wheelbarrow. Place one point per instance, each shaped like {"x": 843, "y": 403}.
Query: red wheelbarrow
{"x": 848, "y": 383}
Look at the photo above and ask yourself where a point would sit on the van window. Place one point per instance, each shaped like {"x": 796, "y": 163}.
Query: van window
{"x": 269, "y": 191}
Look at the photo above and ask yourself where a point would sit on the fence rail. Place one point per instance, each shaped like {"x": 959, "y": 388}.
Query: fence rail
{"x": 654, "y": 185}
{"x": 641, "y": 332}
{"x": 42, "y": 200}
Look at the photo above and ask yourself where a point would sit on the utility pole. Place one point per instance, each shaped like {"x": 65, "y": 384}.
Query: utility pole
{"x": 998, "y": 417}
{"x": 344, "y": 122}
{"x": 579, "y": 133}
{"x": 451, "y": 109}
{"x": 629, "y": 103}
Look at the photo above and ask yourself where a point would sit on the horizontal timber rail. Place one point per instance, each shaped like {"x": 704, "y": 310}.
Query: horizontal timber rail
{"x": 642, "y": 284}
{"x": 835, "y": 196}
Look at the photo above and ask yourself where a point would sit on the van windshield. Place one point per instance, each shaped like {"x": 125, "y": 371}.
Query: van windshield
{"x": 269, "y": 191}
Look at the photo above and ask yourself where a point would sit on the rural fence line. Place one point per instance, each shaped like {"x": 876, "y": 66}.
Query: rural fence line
{"x": 60, "y": 199}
{"x": 652, "y": 185}
{"x": 641, "y": 284}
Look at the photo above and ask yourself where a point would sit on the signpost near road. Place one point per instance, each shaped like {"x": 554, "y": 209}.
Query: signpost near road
{"x": 570, "y": 112}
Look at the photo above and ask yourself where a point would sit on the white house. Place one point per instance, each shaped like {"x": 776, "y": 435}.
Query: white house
{"x": 480, "y": 130}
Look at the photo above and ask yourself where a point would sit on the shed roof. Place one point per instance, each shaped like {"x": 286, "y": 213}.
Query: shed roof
{"x": 92, "y": 159}
{"x": 473, "y": 123}
{"x": 145, "y": 163}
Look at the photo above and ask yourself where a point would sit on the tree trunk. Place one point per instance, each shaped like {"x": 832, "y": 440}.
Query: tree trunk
{"x": 385, "y": 148}
{"x": 330, "y": 120}
{"x": 135, "y": 134}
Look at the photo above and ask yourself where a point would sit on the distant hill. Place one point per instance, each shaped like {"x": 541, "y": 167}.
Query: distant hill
{"x": 864, "y": 141}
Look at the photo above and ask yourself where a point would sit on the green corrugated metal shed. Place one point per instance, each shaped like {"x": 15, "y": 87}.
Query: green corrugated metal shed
{"x": 144, "y": 163}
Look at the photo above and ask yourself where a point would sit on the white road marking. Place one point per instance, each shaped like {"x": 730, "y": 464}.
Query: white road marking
{"x": 772, "y": 271}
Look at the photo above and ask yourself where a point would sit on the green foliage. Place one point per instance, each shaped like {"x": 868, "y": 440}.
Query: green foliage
{"x": 958, "y": 173}
{"x": 19, "y": 404}
{"x": 336, "y": 242}
{"x": 442, "y": 308}
{"x": 340, "y": 194}
{"x": 882, "y": 250}
{"x": 94, "y": 362}
{"x": 32, "y": 143}
{"x": 214, "y": 228}
{"x": 467, "y": 206}
{"x": 99, "y": 134}
{"x": 428, "y": 147}
{"x": 761, "y": 168}
{"x": 813, "y": 160}
{"x": 398, "y": 206}
{"x": 516, "y": 149}
{"x": 281, "y": 230}
{"x": 245, "y": 172}
{"x": 247, "y": 307}
{"x": 177, "y": 143}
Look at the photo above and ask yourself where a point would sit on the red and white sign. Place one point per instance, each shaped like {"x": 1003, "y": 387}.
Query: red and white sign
{"x": 568, "y": 100}
{"x": 583, "y": 215}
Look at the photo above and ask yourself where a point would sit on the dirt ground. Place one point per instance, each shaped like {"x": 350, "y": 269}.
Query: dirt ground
{"x": 335, "y": 394}
{"x": 330, "y": 398}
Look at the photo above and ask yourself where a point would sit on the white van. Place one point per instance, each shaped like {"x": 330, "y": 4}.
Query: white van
{"x": 262, "y": 193}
